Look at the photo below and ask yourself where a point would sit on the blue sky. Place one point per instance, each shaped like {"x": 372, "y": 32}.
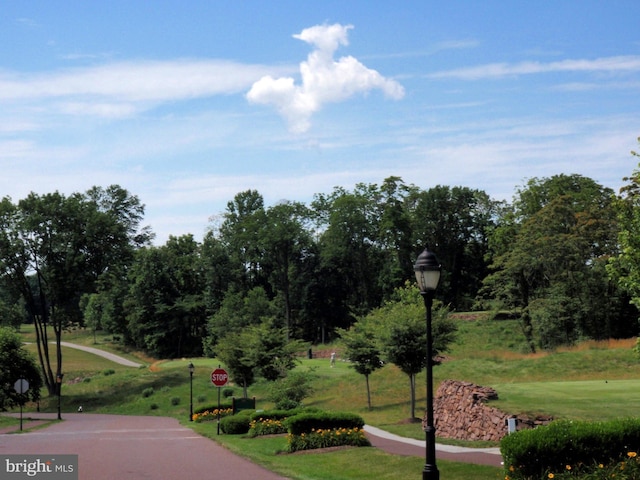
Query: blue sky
{"x": 187, "y": 103}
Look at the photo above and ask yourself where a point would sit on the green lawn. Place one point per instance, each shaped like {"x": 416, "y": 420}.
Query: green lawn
{"x": 593, "y": 382}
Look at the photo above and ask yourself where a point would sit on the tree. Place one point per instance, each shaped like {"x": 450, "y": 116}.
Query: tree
{"x": 456, "y": 222}
{"x": 625, "y": 267}
{"x": 16, "y": 363}
{"x": 235, "y": 351}
{"x": 550, "y": 262}
{"x": 166, "y": 307}
{"x": 54, "y": 248}
{"x": 361, "y": 348}
{"x": 285, "y": 242}
{"x": 402, "y": 332}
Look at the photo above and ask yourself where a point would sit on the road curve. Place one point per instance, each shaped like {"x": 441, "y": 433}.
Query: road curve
{"x": 120, "y": 447}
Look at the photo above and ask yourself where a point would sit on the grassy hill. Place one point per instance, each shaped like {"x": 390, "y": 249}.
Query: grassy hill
{"x": 590, "y": 381}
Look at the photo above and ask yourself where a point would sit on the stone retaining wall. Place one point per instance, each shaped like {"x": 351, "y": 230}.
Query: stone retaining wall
{"x": 460, "y": 412}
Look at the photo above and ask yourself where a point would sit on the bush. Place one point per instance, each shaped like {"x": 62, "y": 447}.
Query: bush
{"x": 227, "y": 392}
{"x": 175, "y": 401}
{"x": 154, "y": 406}
{"x": 108, "y": 371}
{"x": 308, "y": 422}
{"x": 147, "y": 392}
{"x": 309, "y": 430}
{"x": 272, "y": 422}
{"x": 234, "y": 424}
{"x": 544, "y": 450}
{"x": 287, "y": 393}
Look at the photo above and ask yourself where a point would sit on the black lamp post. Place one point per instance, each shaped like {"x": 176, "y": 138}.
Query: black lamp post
{"x": 191, "y": 370}
{"x": 59, "y": 384}
{"x": 427, "y": 271}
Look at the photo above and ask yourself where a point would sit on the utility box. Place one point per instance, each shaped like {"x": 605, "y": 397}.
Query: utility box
{"x": 512, "y": 425}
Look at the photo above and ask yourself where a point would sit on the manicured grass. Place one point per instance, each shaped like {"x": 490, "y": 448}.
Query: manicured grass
{"x": 591, "y": 381}
{"x": 343, "y": 464}
{"x": 595, "y": 400}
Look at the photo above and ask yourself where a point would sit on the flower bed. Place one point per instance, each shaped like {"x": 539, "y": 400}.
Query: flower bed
{"x": 266, "y": 426}
{"x": 211, "y": 415}
{"x": 324, "y": 438}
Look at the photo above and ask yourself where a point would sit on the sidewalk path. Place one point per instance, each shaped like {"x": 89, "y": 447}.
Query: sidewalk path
{"x": 398, "y": 445}
{"x": 109, "y": 356}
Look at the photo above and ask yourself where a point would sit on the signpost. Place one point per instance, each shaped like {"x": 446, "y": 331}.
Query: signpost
{"x": 21, "y": 386}
{"x": 219, "y": 378}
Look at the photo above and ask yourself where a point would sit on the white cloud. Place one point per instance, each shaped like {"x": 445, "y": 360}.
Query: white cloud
{"x": 496, "y": 70}
{"x": 142, "y": 81}
{"x": 323, "y": 79}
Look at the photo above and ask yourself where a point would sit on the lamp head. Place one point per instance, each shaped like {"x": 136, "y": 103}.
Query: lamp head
{"x": 427, "y": 269}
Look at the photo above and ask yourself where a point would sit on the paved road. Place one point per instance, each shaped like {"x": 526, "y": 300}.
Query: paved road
{"x": 118, "y": 447}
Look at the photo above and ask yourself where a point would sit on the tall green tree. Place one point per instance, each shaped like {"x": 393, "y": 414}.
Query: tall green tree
{"x": 455, "y": 222}
{"x": 54, "y": 248}
{"x": 552, "y": 268}
{"x": 625, "y": 267}
{"x": 166, "y": 307}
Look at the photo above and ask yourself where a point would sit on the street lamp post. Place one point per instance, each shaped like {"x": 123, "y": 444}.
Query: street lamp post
{"x": 59, "y": 385}
{"x": 191, "y": 370}
{"x": 427, "y": 271}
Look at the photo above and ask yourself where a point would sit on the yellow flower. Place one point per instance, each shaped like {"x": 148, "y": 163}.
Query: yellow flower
{"x": 512, "y": 468}
{"x": 568, "y": 467}
{"x": 551, "y": 475}
{"x": 632, "y": 454}
{"x": 600, "y": 466}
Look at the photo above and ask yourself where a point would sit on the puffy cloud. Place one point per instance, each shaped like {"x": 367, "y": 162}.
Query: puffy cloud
{"x": 323, "y": 79}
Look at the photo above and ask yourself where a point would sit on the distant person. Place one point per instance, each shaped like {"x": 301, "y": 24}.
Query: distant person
{"x": 333, "y": 359}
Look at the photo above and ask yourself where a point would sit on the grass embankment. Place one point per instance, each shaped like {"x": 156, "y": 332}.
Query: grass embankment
{"x": 592, "y": 381}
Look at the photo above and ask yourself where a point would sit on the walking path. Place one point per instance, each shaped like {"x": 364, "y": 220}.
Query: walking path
{"x": 397, "y": 445}
{"x": 109, "y": 356}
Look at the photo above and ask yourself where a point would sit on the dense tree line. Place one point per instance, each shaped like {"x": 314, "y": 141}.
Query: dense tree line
{"x": 561, "y": 256}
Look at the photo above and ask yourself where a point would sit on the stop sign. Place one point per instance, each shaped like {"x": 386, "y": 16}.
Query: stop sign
{"x": 219, "y": 377}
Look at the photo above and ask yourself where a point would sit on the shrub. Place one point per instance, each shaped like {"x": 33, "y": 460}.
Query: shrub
{"x": 544, "y": 450}
{"x": 324, "y": 438}
{"x": 108, "y": 371}
{"x": 227, "y": 392}
{"x": 311, "y": 430}
{"x": 235, "y": 424}
{"x": 288, "y": 392}
{"x": 175, "y": 401}
{"x": 266, "y": 426}
{"x": 272, "y": 422}
{"x": 147, "y": 392}
{"x": 310, "y": 421}
{"x": 154, "y": 406}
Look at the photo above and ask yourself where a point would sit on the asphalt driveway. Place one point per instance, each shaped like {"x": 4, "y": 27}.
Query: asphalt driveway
{"x": 118, "y": 447}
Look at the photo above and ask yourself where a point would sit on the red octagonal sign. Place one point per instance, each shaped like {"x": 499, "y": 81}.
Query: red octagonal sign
{"x": 219, "y": 377}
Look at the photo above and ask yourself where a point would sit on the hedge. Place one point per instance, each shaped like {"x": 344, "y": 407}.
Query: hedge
{"x": 534, "y": 453}
{"x": 235, "y": 424}
{"x": 308, "y": 422}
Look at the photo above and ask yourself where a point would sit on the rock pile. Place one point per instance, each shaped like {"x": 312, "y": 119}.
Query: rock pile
{"x": 460, "y": 412}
